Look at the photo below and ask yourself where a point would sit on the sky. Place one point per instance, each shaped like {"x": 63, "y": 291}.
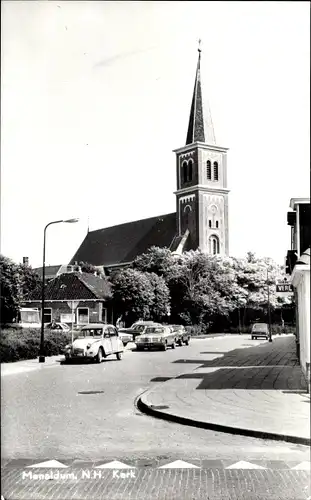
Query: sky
{"x": 95, "y": 96}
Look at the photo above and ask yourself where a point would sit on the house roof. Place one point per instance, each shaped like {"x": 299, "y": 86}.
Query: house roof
{"x": 123, "y": 243}
{"x": 75, "y": 286}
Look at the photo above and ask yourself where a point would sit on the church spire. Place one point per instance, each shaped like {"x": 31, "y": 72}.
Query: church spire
{"x": 200, "y": 128}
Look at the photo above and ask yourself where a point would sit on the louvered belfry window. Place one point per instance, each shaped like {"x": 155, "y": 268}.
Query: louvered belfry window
{"x": 190, "y": 163}
{"x": 185, "y": 171}
{"x": 215, "y": 171}
{"x": 208, "y": 170}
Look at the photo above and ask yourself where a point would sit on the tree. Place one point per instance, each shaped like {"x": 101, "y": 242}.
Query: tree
{"x": 157, "y": 260}
{"x": 86, "y": 267}
{"x": 255, "y": 275}
{"x": 30, "y": 281}
{"x": 10, "y": 289}
{"x": 160, "y": 306}
{"x": 204, "y": 288}
{"x": 133, "y": 294}
{"x": 17, "y": 281}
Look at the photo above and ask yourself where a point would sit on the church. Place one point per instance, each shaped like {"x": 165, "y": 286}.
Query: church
{"x": 201, "y": 217}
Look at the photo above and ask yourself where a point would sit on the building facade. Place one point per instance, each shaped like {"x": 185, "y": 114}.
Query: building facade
{"x": 298, "y": 267}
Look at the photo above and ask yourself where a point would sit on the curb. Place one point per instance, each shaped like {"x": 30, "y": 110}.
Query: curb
{"x": 146, "y": 408}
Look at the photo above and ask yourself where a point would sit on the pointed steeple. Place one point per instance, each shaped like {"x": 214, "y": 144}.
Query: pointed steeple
{"x": 200, "y": 128}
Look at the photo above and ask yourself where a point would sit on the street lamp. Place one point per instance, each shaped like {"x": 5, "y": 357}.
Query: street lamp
{"x": 41, "y": 351}
{"x": 269, "y": 315}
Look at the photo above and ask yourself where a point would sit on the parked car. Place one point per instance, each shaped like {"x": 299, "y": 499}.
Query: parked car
{"x": 125, "y": 336}
{"x": 95, "y": 341}
{"x": 182, "y": 336}
{"x": 138, "y": 328}
{"x": 260, "y": 330}
{"x": 63, "y": 327}
{"x": 160, "y": 337}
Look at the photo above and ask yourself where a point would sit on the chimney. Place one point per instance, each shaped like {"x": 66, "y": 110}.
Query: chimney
{"x": 26, "y": 261}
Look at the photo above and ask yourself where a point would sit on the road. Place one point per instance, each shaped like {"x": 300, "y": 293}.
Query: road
{"x": 85, "y": 414}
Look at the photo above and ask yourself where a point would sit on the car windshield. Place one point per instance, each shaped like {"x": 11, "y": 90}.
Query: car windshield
{"x": 138, "y": 328}
{"x": 90, "y": 332}
{"x": 155, "y": 329}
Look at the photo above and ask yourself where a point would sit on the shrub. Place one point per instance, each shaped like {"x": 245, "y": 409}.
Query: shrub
{"x": 18, "y": 345}
{"x": 196, "y": 330}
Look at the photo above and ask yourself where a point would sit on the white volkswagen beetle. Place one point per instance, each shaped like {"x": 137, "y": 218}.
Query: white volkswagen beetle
{"x": 95, "y": 341}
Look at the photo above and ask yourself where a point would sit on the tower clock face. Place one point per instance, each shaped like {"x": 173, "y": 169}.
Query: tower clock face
{"x": 213, "y": 209}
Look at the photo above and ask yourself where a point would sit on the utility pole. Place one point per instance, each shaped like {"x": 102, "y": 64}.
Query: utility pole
{"x": 269, "y": 313}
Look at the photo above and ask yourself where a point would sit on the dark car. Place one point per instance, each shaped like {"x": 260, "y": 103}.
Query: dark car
{"x": 181, "y": 334}
{"x": 61, "y": 327}
{"x": 137, "y": 329}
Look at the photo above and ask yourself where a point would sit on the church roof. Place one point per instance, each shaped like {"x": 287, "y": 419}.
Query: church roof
{"x": 50, "y": 271}
{"x": 200, "y": 128}
{"x": 123, "y": 243}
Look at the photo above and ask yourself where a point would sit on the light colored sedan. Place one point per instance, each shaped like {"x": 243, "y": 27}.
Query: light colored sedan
{"x": 160, "y": 337}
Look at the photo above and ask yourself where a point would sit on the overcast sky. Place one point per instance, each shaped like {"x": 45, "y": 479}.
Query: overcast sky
{"x": 96, "y": 95}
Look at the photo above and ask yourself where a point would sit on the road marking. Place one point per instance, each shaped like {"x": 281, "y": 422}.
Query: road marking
{"x": 179, "y": 464}
{"x": 302, "y": 466}
{"x": 245, "y": 465}
{"x": 115, "y": 465}
{"x": 49, "y": 464}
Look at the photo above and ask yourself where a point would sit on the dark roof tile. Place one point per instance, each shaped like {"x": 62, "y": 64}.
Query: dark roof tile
{"x": 75, "y": 286}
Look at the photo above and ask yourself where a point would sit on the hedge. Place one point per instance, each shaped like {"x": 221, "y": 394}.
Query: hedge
{"x": 195, "y": 330}
{"x": 18, "y": 345}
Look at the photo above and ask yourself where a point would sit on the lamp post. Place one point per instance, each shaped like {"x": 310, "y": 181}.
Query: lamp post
{"x": 41, "y": 351}
{"x": 269, "y": 315}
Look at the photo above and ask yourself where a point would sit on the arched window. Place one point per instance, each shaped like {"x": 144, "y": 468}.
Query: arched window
{"x": 208, "y": 170}
{"x": 184, "y": 171}
{"x": 209, "y": 223}
{"x": 190, "y": 163}
{"x": 214, "y": 245}
{"x": 215, "y": 171}
{"x": 217, "y": 224}
{"x": 187, "y": 211}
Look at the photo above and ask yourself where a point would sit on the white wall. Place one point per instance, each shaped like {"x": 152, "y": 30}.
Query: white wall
{"x": 301, "y": 281}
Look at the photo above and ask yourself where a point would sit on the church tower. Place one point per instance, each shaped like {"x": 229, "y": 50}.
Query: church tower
{"x": 202, "y": 194}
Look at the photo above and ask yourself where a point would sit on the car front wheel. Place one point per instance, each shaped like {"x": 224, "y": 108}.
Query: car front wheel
{"x": 164, "y": 347}
{"x": 119, "y": 356}
{"x": 99, "y": 356}
{"x": 187, "y": 341}
{"x": 173, "y": 345}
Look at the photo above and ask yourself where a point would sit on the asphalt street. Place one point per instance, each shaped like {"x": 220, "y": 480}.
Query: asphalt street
{"x": 85, "y": 414}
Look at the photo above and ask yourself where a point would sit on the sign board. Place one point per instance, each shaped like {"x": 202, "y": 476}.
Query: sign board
{"x": 67, "y": 318}
{"x": 73, "y": 304}
{"x": 284, "y": 287}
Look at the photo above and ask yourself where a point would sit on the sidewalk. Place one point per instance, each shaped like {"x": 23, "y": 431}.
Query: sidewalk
{"x": 29, "y": 365}
{"x": 257, "y": 391}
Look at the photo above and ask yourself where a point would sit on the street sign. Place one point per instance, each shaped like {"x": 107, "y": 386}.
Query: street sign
{"x": 283, "y": 287}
